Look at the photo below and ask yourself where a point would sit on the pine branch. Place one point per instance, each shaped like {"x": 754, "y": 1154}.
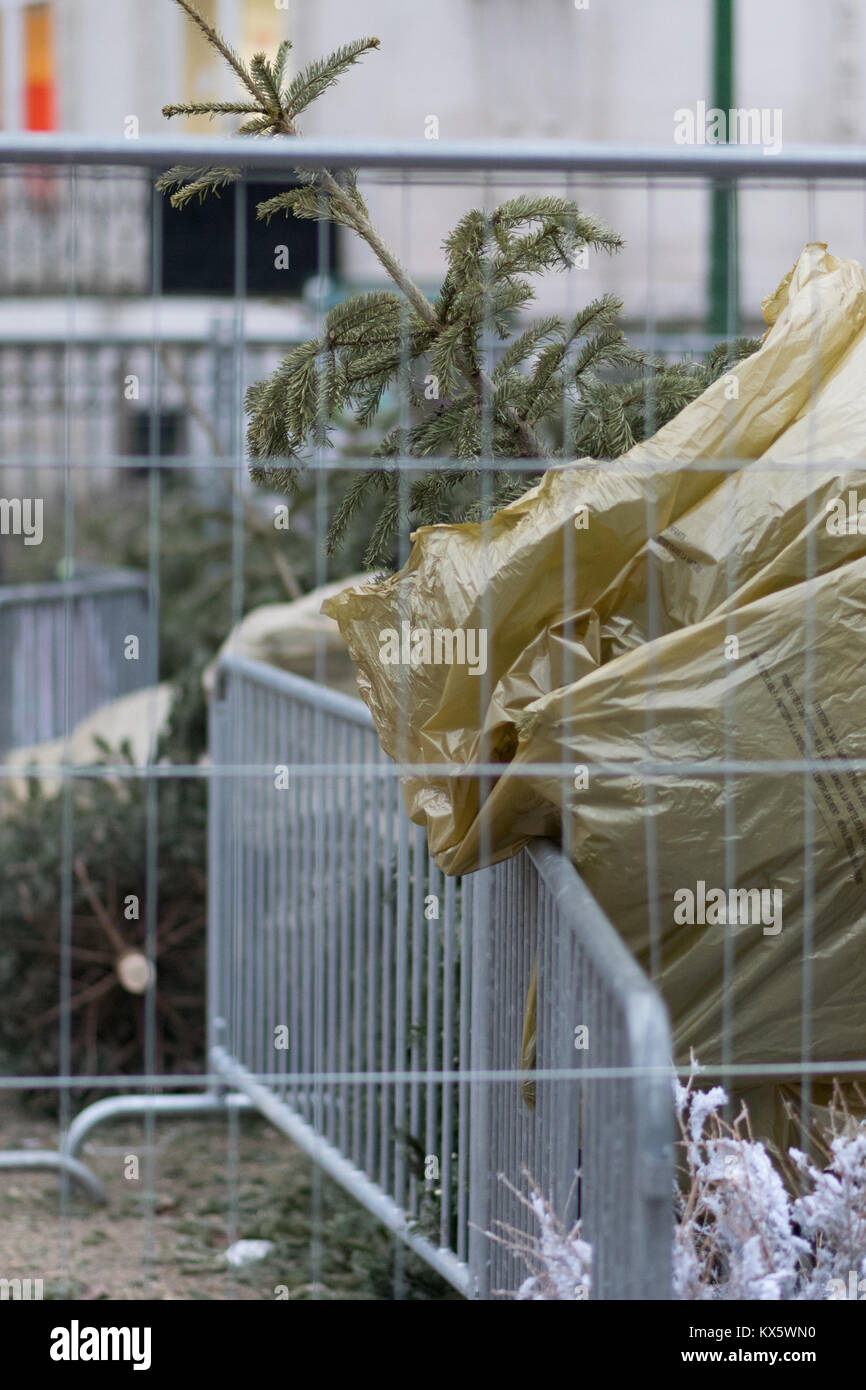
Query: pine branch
{"x": 354, "y": 192}
{"x": 322, "y": 74}
{"x": 432, "y": 497}
{"x": 259, "y": 125}
{"x": 301, "y": 202}
{"x": 210, "y": 108}
{"x": 508, "y": 490}
{"x": 263, "y": 76}
{"x": 581, "y": 382}
{"x": 191, "y": 183}
{"x": 311, "y": 83}
{"x": 726, "y": 355}
{"x": 523, "y": 346}
{"x": 350, "y": 505}
{"x": 387, "y": 525}
{"x": 217, "y": 42}
{"x": 361, "y": 223}
{"x": 279, "y": 67}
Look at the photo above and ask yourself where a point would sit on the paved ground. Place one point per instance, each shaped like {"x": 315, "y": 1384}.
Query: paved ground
{"x": 326, "y": 1246}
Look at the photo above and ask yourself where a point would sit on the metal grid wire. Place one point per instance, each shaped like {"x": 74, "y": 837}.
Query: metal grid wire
{"x": 316, "y": 894}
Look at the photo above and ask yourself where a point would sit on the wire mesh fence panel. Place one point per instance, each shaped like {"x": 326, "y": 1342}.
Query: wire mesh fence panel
{"x": 66, "y": 651}
{"x": 311, "y": 857}
{"x": 319, "y": 968}
{"x": 597, "y": 1148}
{"x": 451, "y": 1010}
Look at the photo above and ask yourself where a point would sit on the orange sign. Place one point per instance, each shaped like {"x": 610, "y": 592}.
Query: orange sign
{"x": 39, "y": 94}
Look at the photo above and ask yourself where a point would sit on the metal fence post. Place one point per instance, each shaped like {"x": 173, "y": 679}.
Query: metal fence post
{"x": 481, "y": 1059}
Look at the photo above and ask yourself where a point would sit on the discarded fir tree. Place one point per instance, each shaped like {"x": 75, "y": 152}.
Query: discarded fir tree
{"x": 550, "y": 390}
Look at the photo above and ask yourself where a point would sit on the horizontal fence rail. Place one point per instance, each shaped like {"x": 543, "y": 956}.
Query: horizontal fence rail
{"x": 715, "y": 161}
{"x": 337, "y": 946}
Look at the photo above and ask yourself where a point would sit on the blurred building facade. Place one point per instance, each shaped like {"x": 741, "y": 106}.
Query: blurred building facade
{"x": 583, "y": 70}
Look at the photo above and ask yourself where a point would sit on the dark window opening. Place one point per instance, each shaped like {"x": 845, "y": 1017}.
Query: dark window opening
{"x": 198, "y": 247}
{"x": 171, "y": 434}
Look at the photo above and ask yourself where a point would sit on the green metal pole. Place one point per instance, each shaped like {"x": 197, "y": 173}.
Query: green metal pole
{"x": 724, "y": 297}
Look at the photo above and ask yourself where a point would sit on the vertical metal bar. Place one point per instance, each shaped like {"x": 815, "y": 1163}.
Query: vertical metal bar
{"x": 331, "y": 938}
{"x": 308, "y": 918}
{"x": 251, "y": 794}
{"x": 374, "y": 924}
{"x": 448, "y": 1000}
{"x": 265, "y": 790}
{"x": 464, "y": 1114}
{"x": 294, "y": 828}
{"x": 431, "y": 1135}
{"x": 284, "y": 925}
{"x": 67, "y": 813}
{"x": 359, "y": 818}
{"x": 273, "y": 920}
{"x": 480, "y": 1091}
{"x": 387, "y": 1145}
{"x": 419, "y": 885}
{"x": 233, "y": 793}
{"x": 401, "y": 1003}
{"x": 808, "y": 782}
{"x": 344, "y": 869}
{"x": 219, "y": 899}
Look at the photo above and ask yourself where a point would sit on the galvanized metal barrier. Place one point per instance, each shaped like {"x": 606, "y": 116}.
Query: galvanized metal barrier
{"x": 597, "y": 1146}
{"x": 373, "y": 1010}
{"x": 62, "y": 647}
{"x": 369, "y": 1008}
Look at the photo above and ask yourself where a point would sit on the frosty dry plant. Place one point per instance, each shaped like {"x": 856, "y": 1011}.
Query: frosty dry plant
{"x": 739, "y": 1233}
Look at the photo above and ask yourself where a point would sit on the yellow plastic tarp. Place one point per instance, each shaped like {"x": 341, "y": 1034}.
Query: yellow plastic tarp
{"x": 665, "y": 609}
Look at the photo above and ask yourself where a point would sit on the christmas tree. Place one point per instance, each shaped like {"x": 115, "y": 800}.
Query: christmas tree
{"x": 552, "y": 390}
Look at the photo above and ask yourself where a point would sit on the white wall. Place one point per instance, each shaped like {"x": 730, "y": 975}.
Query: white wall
{"x": 616, "y": 71}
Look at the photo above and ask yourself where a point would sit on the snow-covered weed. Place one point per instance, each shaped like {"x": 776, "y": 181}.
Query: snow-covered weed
{"x": 739, "y": 1232}
{"x": 559, "y": 1260}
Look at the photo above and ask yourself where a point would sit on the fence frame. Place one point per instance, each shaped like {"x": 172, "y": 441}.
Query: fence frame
{"x": 647, "y": 1039}
{"x": 233, "y": 1087}
{"x": 725, "y": 165}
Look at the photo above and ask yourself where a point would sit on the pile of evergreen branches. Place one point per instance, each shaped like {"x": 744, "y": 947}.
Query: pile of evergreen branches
{"x": 105, "y": 888}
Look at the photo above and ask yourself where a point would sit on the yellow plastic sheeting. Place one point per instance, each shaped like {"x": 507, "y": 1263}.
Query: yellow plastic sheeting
{"x": 664, "y": 609}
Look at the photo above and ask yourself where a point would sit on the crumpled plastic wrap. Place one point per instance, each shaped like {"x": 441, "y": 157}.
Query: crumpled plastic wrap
{"x": 609, "y": 595}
